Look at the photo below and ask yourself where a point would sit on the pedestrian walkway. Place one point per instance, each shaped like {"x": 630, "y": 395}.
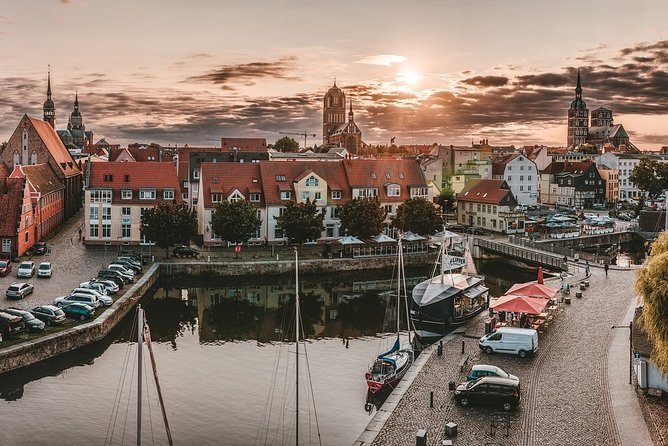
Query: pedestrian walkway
{"x": 572, "y": 389}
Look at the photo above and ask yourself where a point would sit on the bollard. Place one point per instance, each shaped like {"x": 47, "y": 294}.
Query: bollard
{"x": 568, "y": 300}
{"x": 439, "y": 349}
{"x": 462, "y": 346}
{"x": 431, "y": 399}
{"x": 277, "y": 257}
{"x": 208, "y": 258}
{"x": 421, "y": 438}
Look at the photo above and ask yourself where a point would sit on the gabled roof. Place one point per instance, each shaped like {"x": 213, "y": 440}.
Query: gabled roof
{"x": 225, "y": 178}
{"x": 146, "y": 175}
{"x": 556, "y": 167}
{"x": 11, "y": 199}
{"x": 486, "y": 191}
{"x": 499, "y": 164}
{"x": 331, "y": 172}
{"x": 42, "y": 178}
{"x": 52, "y": 141}
{"x": 365, "y": 173}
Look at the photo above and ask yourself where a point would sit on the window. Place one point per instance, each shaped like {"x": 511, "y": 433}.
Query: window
{"x": 510, "y": 167}
{"x": 305, "y": 195}
{"x": 510, "y": 178}
{"x": 318, "y": 196}
{"x": 521, "y": 177}
{"x": 106, "y": 230}
{"x": 336, "y": 212}
{"x": 92, "y": 233}
{"x": 329, "y": 231}
{"x": 478, "y": 207}
{"x": 401, "y": 175}
{"x": 125, "y": 212}
{"x": 108, "y": 177}
{"x": 106, "y": 213}
{"x": 27, "y": 236}
{"x": 196, "y": 174}
{"x": 168, "y": 194}
{"x": 125, "y": 231}
{"x": 521, "y": 188}
{"x": 280, "y": 178}
{"x": 285, "y": 195}
{"x": 147, "y": 194}
{"x": 184, "y": 184}
{"x": 6, "y": 244}
{"x": 100, "y": 196}
{"x": 126, "y": 178}
{"x": 373, "y": 175}
{"x": 521, "y": 167}
{"x": 336, "y": 195}
{"x": 255, "y": 197}
{"x": 393, "y": 190}
{"x": 94, "y": 213}
{"x": 311, "y": 181}
{"x": 126, "y": 194}
{"x": 215, "y": 198}
{"x": 388, "y": 209}
{"x": 529, "y": 178}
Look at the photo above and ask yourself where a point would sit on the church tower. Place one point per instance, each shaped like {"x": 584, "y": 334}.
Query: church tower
{"x": 334, "y": 112}
{"x": 75, "y": 124}
{"x": 49, "y": 107}
{"x": 578, "y": 118}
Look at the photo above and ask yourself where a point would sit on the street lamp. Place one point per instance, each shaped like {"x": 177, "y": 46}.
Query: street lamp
{"x": 630, "y": 327}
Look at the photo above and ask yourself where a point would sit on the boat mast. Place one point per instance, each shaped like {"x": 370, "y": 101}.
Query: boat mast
{"x": 296, "y": 347}
{"x": 399, "y": 271}
{"x": 140, "y": 343}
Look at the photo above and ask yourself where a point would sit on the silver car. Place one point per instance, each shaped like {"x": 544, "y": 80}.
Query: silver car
{"x": 87, "y": 299}
{"x": 44, "y": 269}
{"x": 102, "y": 297}
{"x": 19, "y": 290}
{"x": 26, "y": 269}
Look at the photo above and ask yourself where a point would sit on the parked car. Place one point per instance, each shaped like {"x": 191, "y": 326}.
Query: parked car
{"x": 128, "y": 265}
{"x": 49, "y": 314}
{"x": 40, "y": 248}
{"x": 97, "y": 286}
{"x": 26, "y": 269}
{"x": 121, "y": 269}
{"x": 480, "y": 370}
{"x": 102, "y": 297}
{"x": 134, "y": 255}
{"x": 475, "y": 230}
{"x": 87, "y": 299}
{"x": 132, "y": 260}
{"x": 490, "y": 390}
{"x": 185, "y": 251}
{"x": 30, "y": 321}
{"x": 44, "y": 269}
{"x": 11, "y": 325}
{"x": 5, "y": 267}
{"x": 456, "y": 228}
{"x": 111, "y": 286}
{"x": 19, "y": 290}
{"x": 519, "y": 341}
{"x": 78, "y": 310}
{"x": 117, "y": 277}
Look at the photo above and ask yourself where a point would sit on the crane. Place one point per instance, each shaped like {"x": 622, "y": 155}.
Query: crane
{"x": 304, "y": 134}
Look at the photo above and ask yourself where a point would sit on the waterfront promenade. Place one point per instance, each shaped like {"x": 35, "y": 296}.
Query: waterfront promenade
{"x": 575, "y": 390}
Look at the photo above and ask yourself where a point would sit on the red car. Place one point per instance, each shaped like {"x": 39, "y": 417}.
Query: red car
{"x": 5, "y": 267}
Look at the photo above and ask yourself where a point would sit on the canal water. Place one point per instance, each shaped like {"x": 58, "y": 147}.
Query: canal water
{"x": 220, "y": 349}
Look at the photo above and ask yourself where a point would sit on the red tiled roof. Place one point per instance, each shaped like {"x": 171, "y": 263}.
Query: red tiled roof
{"x": 120, "y": 175}
{"x": 42, "y": 178}
{"x": 244, "y": 144}
{"x": 11, "y": 199}
{"x": 379, "y": 172}
{"x": 499, "y": 164}
{"x": 332, "y": 172}
{"x": 485, "y": 191}
{"x": 58, "y": 151}
{"x": 556, "y": 167}
{"x": 140, "y": 155}
{"x": 244, "y": 177}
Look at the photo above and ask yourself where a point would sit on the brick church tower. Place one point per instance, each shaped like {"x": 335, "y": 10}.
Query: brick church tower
{"x": 578, "y": 118}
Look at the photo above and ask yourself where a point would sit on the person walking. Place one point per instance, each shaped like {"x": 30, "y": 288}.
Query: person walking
{"x": 587, "y": 268}
{"x": 606, "y": 267}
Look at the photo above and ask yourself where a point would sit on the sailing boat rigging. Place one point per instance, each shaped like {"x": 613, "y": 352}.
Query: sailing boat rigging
{"x": 388, "y": 368}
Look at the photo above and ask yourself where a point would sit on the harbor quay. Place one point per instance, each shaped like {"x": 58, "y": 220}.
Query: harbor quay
{"x": 574, "y": 391}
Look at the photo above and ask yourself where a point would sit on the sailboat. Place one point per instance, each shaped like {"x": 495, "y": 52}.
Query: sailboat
{"x": 143, "y": 337}
{"x": 454, "y": 294}
{"x": 389, "y": 367}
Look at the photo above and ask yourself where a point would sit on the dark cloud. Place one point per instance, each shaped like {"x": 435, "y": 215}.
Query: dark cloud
{"x": 247, "y": 74}
{"x": 505, "y": 109}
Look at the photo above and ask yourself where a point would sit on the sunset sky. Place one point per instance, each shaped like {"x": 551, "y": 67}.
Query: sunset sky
{"x": 445, "y": 71}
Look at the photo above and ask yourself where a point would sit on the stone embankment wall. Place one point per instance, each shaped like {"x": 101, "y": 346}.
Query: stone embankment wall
{"x": 27, "y": 353}
{"x": 322, "y": 266}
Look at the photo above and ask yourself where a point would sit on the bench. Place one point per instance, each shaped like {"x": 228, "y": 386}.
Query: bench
{"x": 463, "y": 362}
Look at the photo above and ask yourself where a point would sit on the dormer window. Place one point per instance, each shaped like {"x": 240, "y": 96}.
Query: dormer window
{"x": 388, "y": 175}
{"x": 280, "y": 178}
{"x": 311, "y": 181}
{"x": 373, "y": 175}
{"x": 393, "y": 190}
{"x": 108, "y": 177}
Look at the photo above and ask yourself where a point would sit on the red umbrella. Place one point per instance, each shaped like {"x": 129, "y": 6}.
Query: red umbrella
{"x": 520, "y": 304}
{"x": 531, "y": 289}
{"x": 540, "y": 275}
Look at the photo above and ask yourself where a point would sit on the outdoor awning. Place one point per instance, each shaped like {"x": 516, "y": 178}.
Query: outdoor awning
{"x": 531, "y": 289}
{"x": 382, "y": 238}
{"x": 411, "y": 237}
{"x": 350, "y": 240}
{"x": 519, "y": 304}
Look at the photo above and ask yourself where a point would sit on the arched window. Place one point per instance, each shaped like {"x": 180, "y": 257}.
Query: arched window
{"x": 351, "y": 144}
{"x": 311, "y": 181}
{"x": 33, "y": 157}
{"x": 15, "y": 158}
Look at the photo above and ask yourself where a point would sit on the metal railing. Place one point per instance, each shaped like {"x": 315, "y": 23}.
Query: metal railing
{"x": 519, "y": 252}
{"x": 561, "y": 251}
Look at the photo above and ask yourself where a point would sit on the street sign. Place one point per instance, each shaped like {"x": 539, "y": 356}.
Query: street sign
{"x": 237, "y": 249}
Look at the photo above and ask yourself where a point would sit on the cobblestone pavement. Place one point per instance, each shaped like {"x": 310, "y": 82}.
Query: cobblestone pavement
{"x": 72, "y": 264}
{"x": 565, "y": 398}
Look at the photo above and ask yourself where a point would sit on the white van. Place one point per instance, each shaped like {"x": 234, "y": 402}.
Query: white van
{"x": 518, "y": 341}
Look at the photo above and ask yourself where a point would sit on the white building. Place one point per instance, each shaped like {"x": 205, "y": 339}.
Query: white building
{"x": 521, "y": 175}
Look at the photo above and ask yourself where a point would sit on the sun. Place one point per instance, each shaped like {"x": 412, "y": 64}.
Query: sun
{"x": 408, "y": 77}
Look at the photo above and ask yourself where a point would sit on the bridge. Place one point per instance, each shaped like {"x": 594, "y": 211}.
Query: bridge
{"x": 522, "y": 253}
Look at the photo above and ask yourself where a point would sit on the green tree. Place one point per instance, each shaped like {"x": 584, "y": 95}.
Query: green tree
{"x": 286, "y": 144}
{"x": 417, "y": 215}
{"x": 363, "y": 217}
{"x": 2, "y": 146}
{"x": 650, "y": 176}
{"x": 235, "y": 221}
{"x": 301, "y": 222}
{"x": 169, "y": 223}
{"x": 446, "y": 200}
{"x": 652, "y": 286}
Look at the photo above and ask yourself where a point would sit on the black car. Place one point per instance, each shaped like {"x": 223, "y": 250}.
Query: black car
{"x": 185, "y": 251}
{"x": 112, "y": 275}
{"x": 49, "y": 314}
{"x": 489, "y": 390}
{"x": 456, "y": 228}
{"x": 475, "y": 230}
{"x": 11, "y": 325}
{"x": 132, "y": 254}
{"x": 40, "y": 248}
{"x": 31, "y": 322}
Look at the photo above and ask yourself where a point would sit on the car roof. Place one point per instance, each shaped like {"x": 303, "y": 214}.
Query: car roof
{"x": 486, "y": 367}
{"x": 26, "y": 262}
{"x": 45, "y": 263}
{"x": 498, "y": 380}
